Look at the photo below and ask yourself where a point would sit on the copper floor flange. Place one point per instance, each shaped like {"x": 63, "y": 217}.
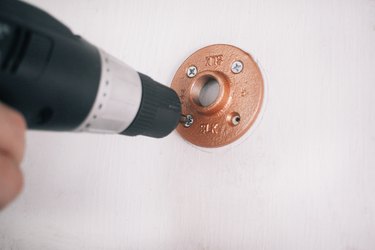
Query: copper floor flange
{"x": 239, "y": 101}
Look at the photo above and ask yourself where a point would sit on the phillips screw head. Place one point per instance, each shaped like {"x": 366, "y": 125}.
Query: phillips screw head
{"x": 187, "y": 120}
{"x": 192, "y": 71}
{"x": 237, "y": 67}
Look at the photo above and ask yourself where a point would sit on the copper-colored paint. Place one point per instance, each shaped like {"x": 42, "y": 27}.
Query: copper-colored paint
{"x": 240, "y": 94}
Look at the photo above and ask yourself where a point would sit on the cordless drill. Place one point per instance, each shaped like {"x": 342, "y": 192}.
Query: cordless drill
{"x": 61, "y": 82}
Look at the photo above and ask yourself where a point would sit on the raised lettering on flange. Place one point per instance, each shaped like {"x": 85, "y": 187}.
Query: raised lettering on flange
{"x": 207, "y": 128}
{"x": 214, "y": 60}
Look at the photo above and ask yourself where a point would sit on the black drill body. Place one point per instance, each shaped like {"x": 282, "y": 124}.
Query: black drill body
{"x": 54, "y": 79}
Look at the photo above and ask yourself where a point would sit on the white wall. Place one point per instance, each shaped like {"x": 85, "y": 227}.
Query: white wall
{"x": 304, "y": 179}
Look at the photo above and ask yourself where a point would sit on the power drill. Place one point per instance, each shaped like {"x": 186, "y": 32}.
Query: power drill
{"x": 61, "y": 82}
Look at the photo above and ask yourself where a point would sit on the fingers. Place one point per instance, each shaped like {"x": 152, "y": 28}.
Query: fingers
{"x": 12, "y": 143}
{"x": 11, "y": 180}
{"x": 12, "y": 133}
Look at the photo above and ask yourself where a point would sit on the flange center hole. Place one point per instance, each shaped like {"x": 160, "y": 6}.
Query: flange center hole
{"x": 209, "y": 92}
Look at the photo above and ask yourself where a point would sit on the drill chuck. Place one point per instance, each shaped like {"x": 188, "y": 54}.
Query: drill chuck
{"x": 59, "y": 81}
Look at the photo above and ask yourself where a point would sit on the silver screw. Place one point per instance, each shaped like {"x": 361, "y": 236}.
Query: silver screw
{"x": 192, "y": 71}
{"x": 187, "y": 120}
{"x": 236, "y": 120}
{"x": 237, "y": 67}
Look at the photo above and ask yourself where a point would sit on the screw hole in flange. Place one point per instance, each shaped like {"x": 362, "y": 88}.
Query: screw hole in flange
{"x": 234, "y": 118}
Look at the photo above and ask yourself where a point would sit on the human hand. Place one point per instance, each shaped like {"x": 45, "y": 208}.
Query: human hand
{"x": 12, "y": 143}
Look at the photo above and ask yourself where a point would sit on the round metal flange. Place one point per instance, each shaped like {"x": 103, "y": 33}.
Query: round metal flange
{"x": 238, "y": 103}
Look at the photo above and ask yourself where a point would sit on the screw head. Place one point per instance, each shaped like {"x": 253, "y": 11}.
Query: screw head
{"x": 188, "y": 121}
{"x": 192, "y": 71}
{"x": 237, "y": 67}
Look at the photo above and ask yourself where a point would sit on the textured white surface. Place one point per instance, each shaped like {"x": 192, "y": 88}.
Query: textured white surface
{"x": 304, "y": 179}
